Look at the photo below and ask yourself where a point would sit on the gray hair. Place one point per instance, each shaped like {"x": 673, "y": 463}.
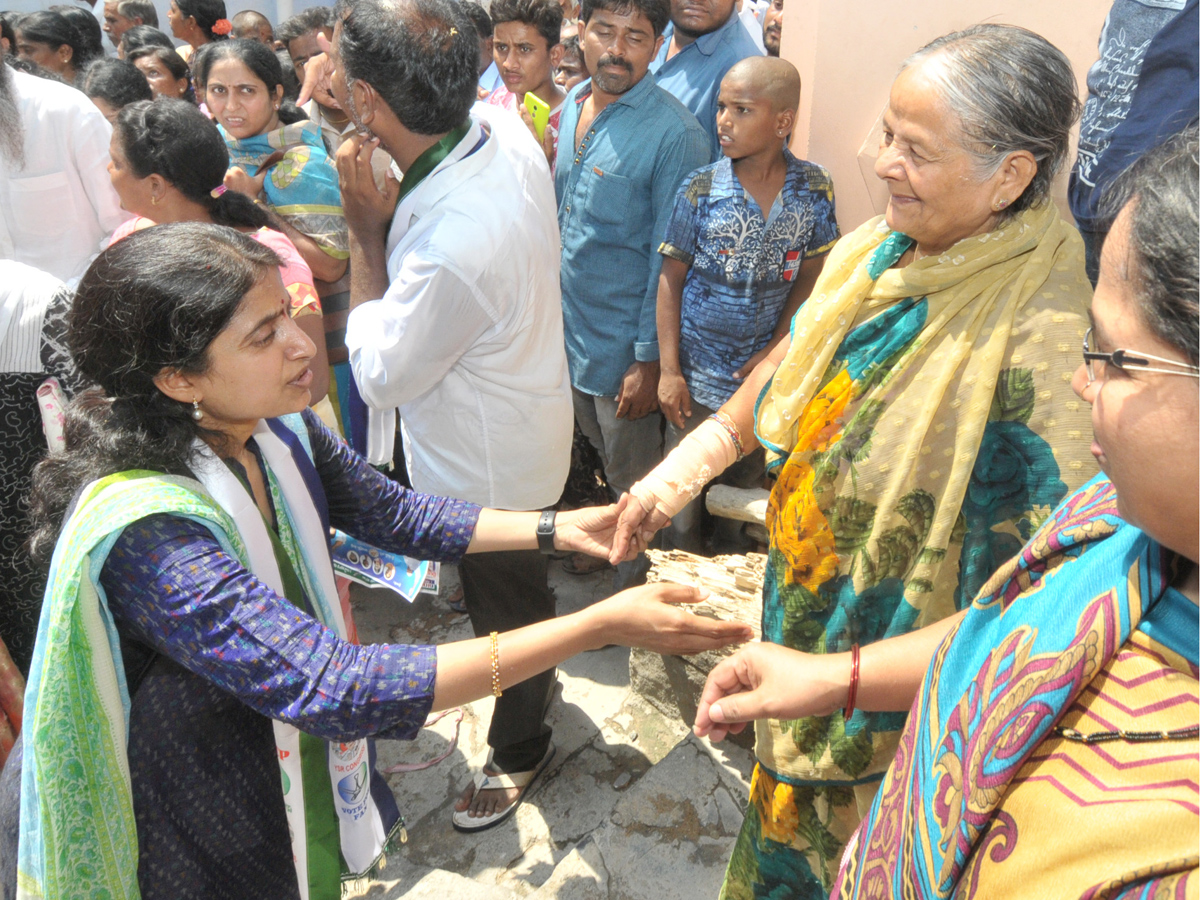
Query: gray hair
{"x": 139, "y": 9}
{"x": 1011, "y": 90}
{"x": 12, "y": 127}
{"x": 1162, "y": 193}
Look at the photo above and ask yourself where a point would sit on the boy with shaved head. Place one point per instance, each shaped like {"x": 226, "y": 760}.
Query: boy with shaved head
{"x": 745, "y": 243}
{"x": 249, "y": 25}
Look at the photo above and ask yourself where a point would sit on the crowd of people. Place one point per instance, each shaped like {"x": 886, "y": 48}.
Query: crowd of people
{"x": 405, "y": 267}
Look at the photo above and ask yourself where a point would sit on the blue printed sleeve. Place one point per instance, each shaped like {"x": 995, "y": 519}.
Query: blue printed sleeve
{"x": 683, "y": 228}
{"x": 170, "y": 586}
{"x": 825, "y": 231}
{"x": 368, "y": 505}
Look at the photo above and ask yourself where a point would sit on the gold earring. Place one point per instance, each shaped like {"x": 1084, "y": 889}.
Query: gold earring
{"x": 153, "y": 200}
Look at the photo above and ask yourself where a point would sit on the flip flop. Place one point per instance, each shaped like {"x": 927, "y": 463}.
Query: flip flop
{"x": 463, "y": 821}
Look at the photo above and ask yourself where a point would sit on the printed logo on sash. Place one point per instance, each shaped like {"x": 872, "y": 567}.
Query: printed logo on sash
{"x": 791, "y": 265}
{"x": 353, "y": 787}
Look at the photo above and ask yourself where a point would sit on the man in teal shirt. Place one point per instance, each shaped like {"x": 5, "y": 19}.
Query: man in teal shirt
{"x": 703, "y": 41}
{"x": 624, "y": 147}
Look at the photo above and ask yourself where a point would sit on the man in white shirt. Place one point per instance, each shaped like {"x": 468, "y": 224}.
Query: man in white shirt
{"x": 456, "y": 319}
{"x": 300, "y": 36}
{"x": 56, "y": 201}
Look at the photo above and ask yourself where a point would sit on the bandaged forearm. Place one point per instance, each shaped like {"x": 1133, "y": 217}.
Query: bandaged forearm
{"x": 677, "y": 480}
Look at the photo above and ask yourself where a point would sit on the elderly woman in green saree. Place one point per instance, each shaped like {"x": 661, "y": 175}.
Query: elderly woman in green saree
{"x": 1051, "y": 744}
{"x": 920, "y": 422}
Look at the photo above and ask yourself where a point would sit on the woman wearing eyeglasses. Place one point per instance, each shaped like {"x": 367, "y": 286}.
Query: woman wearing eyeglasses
{"x": 1051, "y": 743}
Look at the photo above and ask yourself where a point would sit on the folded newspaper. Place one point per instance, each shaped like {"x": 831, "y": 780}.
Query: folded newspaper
{"x": 373, "y": 567}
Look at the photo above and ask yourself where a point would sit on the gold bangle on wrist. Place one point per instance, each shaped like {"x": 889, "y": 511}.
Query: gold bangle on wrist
{"x": 496, "y": 692}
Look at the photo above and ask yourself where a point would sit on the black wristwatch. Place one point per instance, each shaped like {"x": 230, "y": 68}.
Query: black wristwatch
{"x": 545, "y": 531}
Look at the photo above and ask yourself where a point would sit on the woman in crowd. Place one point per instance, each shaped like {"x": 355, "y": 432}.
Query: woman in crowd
{"x": 278, "y": 156}
{"x": 33, "y": 309}
{"x": 165, "y": 72}
{"x": 142, "y": 36}
{"x": 86, "y": 25}
{"x": 167, "y": 164}
{"x": 917, "y": 421}
{"x": 198, "y": 22}
{"x": 112, "y": 84}
{"x": 193, "y": 564}
{"x": 48, "y": 39}
{"x": 1051, "y": 746}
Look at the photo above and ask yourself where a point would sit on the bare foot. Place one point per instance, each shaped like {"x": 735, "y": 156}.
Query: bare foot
{"x": 486, "y": 803}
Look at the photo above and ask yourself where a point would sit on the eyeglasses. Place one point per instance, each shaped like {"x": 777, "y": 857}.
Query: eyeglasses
{"x": 1126, "y": 360}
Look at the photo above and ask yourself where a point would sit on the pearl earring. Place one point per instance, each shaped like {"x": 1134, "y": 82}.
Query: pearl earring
{"x": 197, "y": 413}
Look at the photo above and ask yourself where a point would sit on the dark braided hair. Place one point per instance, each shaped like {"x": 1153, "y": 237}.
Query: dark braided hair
{"x": 172, "y": 138}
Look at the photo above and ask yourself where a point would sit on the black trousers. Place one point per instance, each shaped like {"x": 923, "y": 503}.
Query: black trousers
{"x": 507, "y": 590}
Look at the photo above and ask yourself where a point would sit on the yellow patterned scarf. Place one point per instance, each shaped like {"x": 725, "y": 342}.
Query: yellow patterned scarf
{"x": 922, "y": 426}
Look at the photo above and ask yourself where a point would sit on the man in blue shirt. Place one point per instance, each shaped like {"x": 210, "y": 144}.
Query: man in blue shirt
{"x": 703, "y": 41}
{"x": 624, "y": 147}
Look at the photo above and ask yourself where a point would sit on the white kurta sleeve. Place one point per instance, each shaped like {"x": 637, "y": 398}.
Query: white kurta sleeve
{"x": 403, "y": 344}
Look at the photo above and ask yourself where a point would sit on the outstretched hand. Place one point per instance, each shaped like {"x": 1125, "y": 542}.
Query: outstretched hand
{"x": 766, "y": 681}
{"x": 649, "y": 617}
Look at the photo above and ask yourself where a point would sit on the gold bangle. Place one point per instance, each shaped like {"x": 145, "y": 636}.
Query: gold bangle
{"x": 496, "y": 692}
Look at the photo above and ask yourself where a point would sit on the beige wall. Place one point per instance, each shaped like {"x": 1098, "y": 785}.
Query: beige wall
{"x": 848, "y": 52}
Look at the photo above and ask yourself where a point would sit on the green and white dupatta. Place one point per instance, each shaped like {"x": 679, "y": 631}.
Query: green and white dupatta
{"x": 77, "y": 833}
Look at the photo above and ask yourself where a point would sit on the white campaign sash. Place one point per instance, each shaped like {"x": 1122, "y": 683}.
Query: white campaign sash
{"x": 361, "y": 827}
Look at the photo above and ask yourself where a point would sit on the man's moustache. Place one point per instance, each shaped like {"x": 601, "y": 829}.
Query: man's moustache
{"x": 614, "y": 61}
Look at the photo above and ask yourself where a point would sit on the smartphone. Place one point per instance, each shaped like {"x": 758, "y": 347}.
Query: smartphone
{"x": 540, "y": 110}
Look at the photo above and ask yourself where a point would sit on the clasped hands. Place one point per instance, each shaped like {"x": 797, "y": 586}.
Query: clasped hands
{"x": 594, "y": 530}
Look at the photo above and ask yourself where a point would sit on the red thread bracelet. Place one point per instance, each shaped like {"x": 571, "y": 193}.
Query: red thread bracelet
{"x": 852, "y": 696}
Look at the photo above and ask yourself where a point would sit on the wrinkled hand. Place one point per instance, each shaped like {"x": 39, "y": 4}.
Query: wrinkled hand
{"x": 638, "y": 395}
{"x": 636, "y": 525}
{"x": 368, "y": 209}
{"x": 752, "y": 362}
{"x": 674, "y": 398}
{"x": 766, "y": 681}
{"x": 649, "y": 617}
{"x": 590, "y": 530}
{"x": 318, "y": 77}
{"x": 238, "y": 179}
